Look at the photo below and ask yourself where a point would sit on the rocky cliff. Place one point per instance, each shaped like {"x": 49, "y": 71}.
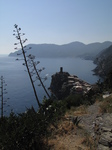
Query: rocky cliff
{"x": 104, "y": 62}
{"x": 64, "y": 84}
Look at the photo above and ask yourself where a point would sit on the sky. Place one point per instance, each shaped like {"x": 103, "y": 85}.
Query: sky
{"x": 55, "y": 21}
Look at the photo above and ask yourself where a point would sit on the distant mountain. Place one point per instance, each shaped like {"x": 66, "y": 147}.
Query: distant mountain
{"x": 74, "y": 49}
{"x": 104, "y": 62}
{"x": 93, "y": 49}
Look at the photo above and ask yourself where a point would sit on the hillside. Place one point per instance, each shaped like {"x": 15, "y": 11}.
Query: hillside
{"x": 104, "y": 62}
{"x": 74, "y": 49}
{"x": 77, "y": 122}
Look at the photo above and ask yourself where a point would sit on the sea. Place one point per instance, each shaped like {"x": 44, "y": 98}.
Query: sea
{"x": 19, "y": 95}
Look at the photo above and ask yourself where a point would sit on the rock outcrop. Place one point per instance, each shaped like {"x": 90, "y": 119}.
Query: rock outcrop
{"x": 99, "y": 126}
{"x": 103, "y": 131}
{"x": 64, "y": 84}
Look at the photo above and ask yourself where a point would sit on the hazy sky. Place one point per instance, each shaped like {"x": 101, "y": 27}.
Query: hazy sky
{"x": 55, "y": 21}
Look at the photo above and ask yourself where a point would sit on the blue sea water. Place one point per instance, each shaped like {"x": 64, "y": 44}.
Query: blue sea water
{"x": 18, "y": 84}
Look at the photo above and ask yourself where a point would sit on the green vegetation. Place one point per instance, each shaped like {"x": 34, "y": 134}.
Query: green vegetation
{"x": 108, "y": 81}
{"x": 106, "y": 87}
{"x": 74, "y": 100}
{"x": 28, "y": 131}
{"x": 106, "y": 106}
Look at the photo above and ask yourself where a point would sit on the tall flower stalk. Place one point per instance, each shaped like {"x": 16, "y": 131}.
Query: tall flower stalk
{"x": 1, "y": 96}
{"x": 18, "y": 36}
{"x": 3, "y": 92}
{"x": 31, "y": 57}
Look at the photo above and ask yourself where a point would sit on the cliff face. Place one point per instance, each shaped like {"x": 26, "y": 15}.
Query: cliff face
{"x": 57, "y": 82}
{"x": 63, "y": 84}
{"x": 104, "y": 62}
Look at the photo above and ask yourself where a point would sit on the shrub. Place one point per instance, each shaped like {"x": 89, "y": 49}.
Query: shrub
{"x": 74, "y": 100}
{"x": 53, "y": 110}
{"x": 27, "y": 131}
{"x": 106, "y": 106}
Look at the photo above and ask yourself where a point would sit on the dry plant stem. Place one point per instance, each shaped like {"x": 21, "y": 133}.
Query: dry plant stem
{"x": 1, "y": 96}
{"x": 28, "y": 68}
{"x": 40, "y": 80}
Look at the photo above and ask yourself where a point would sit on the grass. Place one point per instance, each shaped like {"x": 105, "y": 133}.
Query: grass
{"x": 88, "y": 141}
{"x": 68, "y": 136}
{"x": 77, "y": 111}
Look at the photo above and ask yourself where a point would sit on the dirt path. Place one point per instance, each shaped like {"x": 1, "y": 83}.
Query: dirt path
{"x": 89, "y": 120}
{"x": 70, "y": 137}
{"x": 99, "y": 126}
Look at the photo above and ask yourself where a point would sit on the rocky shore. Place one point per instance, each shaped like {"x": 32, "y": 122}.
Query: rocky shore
{"x": 64, "y": 84}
